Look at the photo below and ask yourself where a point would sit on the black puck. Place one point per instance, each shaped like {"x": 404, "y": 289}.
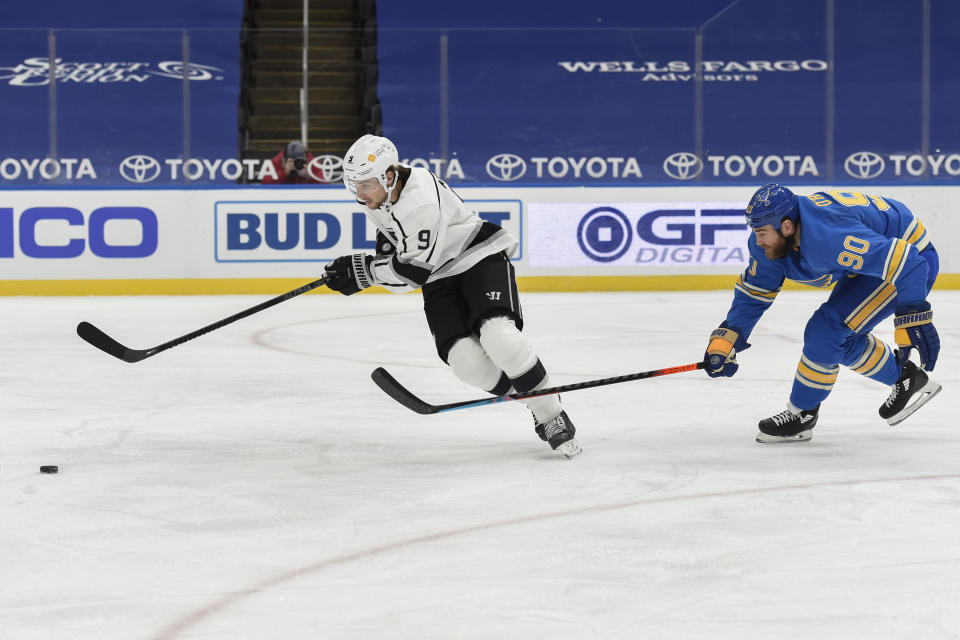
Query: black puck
{"x": 49, "y": 468}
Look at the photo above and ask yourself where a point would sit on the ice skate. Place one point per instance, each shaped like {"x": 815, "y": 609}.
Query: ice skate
{"x": 558, "y": 433}
{"x": 914, "y": 384}
{"x": 792, "y": 425}
{"x": 538, "y": 427}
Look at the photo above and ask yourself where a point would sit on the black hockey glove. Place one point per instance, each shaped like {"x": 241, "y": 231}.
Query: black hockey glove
{"x": 913, "y": 329}
{"x": 721, "y": 352}
{"x": 349, "y": 274}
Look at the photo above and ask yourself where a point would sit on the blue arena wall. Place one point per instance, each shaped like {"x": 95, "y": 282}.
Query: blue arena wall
{"x": 537, "y": 93}
{"x": 119, "y": 90}
{"x": 607, "y": 92}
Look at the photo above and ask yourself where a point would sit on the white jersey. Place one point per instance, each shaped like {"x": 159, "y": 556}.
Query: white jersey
{"x": 435, "y": 234}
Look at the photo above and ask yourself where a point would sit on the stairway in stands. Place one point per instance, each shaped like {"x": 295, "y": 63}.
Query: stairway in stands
{"x": 342, "y": 75}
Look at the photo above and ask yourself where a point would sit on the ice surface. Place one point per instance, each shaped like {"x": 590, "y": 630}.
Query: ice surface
{"x": 255, "y": 484}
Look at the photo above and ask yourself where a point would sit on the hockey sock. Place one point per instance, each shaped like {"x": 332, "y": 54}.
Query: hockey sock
{"x": 812, "y": 382}
{"x": 874, "y": 359}
{"x": 471, "y": 364}
{"x": 510, "y": 351}
{"x": 545, "y": 408}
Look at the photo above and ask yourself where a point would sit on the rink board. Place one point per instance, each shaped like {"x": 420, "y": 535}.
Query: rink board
{"x": 257, "y": 240}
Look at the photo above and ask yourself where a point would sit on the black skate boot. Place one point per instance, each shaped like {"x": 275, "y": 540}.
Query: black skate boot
{"x": 559, "y": 433}
{"x": 792, "y": 425}
{"x": 914, "y": 384}
{"x": 538, "y": 427}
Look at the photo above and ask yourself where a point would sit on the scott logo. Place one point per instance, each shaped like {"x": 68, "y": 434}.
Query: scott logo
{"x": 682, "y": 166}
{"x": 35, "y": 72}
{"x": 864, "y": 165}
{"x": 175, "y": 69}
{"x": 506, "y": 167}
{"x": 139, "y": 169}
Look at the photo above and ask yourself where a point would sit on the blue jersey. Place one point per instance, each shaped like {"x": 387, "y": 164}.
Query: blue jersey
{"x": 842, "y": 234}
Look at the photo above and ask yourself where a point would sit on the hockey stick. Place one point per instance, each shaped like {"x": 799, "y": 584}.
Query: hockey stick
{"x": 404, "y": 396}
{"x": 105, "y": 343}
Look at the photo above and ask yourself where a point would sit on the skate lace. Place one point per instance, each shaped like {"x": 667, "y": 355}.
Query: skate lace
{"x": 555, "y": 426}
{"x": 895, "y": 392}
{"x": 783, "y": 417}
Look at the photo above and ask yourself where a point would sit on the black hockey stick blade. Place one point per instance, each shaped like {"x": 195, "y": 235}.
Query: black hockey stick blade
{"x": 404, "y": 396}
{"x": 105, "y": 343}
{"x": 390, "y": 386}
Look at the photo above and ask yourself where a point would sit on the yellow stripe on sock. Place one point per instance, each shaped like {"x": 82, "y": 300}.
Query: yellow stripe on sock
{"x": 874, "y": 353}
{"x": 815, "y": 376}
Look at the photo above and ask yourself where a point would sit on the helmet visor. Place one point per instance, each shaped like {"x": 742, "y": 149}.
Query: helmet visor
{"x": 370, "y": 186}
{"x": 350, "y": 184}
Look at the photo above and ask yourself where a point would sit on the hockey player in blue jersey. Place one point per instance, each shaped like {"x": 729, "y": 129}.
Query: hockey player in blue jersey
{"x": 879, "y": 259}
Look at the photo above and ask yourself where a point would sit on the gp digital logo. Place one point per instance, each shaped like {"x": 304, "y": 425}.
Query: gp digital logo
{"x": 604, "y": 234}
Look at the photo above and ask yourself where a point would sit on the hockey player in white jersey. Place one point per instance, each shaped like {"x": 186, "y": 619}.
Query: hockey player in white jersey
{"x": 428, "y": 239}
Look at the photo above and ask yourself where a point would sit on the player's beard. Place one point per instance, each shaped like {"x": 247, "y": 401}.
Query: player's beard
{"x": 784, "y": 250}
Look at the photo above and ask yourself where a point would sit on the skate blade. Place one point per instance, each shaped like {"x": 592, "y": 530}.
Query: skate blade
{"x": 569, "y": 448}
{"x": 924, "y": 396}
{"x": 765, "y": 438}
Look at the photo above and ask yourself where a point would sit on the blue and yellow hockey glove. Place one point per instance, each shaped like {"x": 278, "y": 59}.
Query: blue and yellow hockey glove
{"x": 721, "y": 352}
{"x": 913, "y": 329}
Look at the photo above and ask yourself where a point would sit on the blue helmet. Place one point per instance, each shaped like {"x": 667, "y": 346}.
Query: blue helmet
{"x": 770, "y": 205}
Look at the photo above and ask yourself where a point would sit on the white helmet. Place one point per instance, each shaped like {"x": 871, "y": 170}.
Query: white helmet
{"x": 369, "y": 157}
